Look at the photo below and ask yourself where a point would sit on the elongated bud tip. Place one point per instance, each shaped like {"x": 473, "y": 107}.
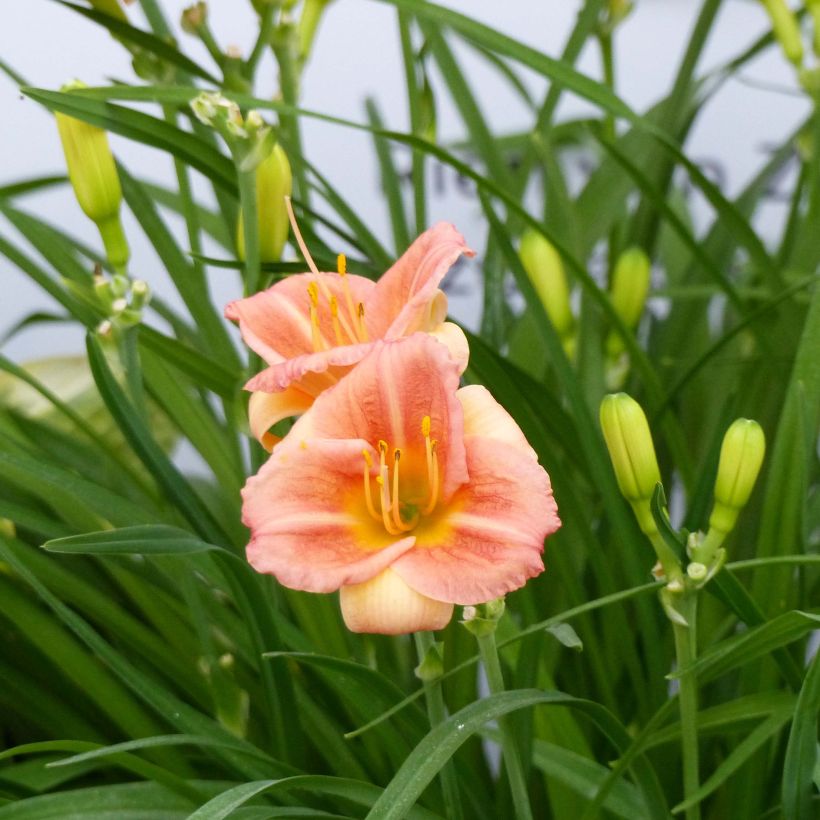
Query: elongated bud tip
{"x": 741, "y": 456}
{"x": 632, "y": 452}
{"x": 545, "y": 270}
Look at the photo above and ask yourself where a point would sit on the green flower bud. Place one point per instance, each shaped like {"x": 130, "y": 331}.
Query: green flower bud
{"x": 194, "y": 17}
{"x": 93, "y": 176}
{"x": 632, "y": 452}
{"x": 785, "y": 29}
{"x": 628, "y": 291}
{"x": 546, "y": 272}
{"x": 482, "y": 619}
{"x": 273, "y": 184}
{"x": 312, "y": 13}
{"x": 741, "y": 456}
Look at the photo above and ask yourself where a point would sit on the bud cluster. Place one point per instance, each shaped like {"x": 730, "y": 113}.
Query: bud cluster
{"x": 632, "y": 452}
{"x": 121, "y": 300}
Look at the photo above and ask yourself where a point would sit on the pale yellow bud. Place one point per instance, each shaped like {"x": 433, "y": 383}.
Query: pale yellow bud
{"x": 628, "y": 291}
{"x": 93, "y": 176}
{"x": 632, "y": 452}
{"x": 273, "y": 184}
{"x": 741, "y": 456}
{"x": 546, "y": 272}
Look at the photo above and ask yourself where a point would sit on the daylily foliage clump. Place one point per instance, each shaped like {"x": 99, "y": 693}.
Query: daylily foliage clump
{"x": 404, "y": 491}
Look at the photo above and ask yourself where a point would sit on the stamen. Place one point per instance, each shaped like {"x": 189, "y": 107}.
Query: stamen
{"x": 385, "y": 499}
{"x": 368, "y": 498}
{"x": 315, "y": 330}
{"x": 341, "y": 267}
{"x": 362, "y": 325}
{"x": 433, "y": 477}
{"x": 334, "y": 316}
{"x": 341, "y": 264}
{"x": 396, "y": 510}
{"x": 425, "y": 426}
{"x": 298, "y": 234}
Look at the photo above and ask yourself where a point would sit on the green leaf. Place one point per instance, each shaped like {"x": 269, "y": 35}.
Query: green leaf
{"x": 566, "y": 636}
{"x": 149, "y": 42}
{"x": 761, "y": 640}
{"x": 802, "y": 757}
{"x": 142, "y": 128}
{"x": 139, "y": 437}
{"x": 158, "y": 539}
{"x": 443, "y": 740}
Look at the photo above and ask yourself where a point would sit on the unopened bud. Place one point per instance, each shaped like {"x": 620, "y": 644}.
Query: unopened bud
{"x": 194, "y": 17}
{"x": 632, "y": 452}
{"x": 93, "y": 176}
{"x": 696, "y": 571}
{"x": 785, "y": 29}
{"x": 118, "y": 306}
{"x": 308, "y": 23}
{"x": 546, "y": 272}
{"x": 483, "y": 619}
{"x": 273, "y": 184}
{"x": 628, "y": 291}
{"x": 741, "y": 456}
{"x": 140, "y": 294}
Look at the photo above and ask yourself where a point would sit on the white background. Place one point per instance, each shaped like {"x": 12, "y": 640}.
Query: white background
{"x": 357, "y": 54}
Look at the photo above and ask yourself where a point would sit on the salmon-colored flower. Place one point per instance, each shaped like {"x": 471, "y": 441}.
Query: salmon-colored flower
{"x": 405, "y": 492}
{"x": 312, "y": 328}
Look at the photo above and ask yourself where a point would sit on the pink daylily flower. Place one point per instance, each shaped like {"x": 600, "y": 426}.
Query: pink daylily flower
{"x": 401, "y": 490}
{"x": 312, "y": 328}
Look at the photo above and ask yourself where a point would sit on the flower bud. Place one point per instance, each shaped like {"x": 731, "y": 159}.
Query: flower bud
{"x": 785, "y": 29}
{"x": 93, "y": 176}
{"x": 628, "y": 290}
{"x": 194, "y": 17}
{"x": 741, "y": 456}
{"x": 273, "y": 184}
{"x": 387, "y": 605}
{"x": 632, "y": 452}
{"x": 546, "y": 272}
{"x": 312, "y": 12}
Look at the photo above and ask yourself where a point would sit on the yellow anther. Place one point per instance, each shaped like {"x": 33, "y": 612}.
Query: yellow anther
{"x": 425, "y": 426}
{"x": 382, "y": 446}
{"x": 361, "y": 322}
{"x": 334, "y": 307}
{"x": 313, "y": 292}
{"x": 341, "y": 264}
{"x": 367, "y": 459}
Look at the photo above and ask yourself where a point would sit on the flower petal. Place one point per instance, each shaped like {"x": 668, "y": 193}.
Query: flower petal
{"x": 309, "y": 527}
{"x": 484, "y": 416}
{"x": 314, "y": 372}
{"x": 265, "y": 409}
{"x": 489, "y": 539}
{"x": 386, "y": 605}
{"x": 406, "y": 299}
{"x": 453, "y": 338}
{"x": 386, "y": 397}
{"x": 276, "y": 323}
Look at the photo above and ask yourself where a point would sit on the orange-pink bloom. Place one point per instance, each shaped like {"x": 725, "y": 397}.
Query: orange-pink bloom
{"x": 404, "y": 491}
{"x": 312, "y": 328}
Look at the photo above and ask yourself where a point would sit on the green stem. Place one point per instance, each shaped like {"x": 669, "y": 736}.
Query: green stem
{"x": 129, "y": 358}
{"x": 209, "y": 41}
{"x": 285, "y": 51}
{"x": 686, "y": 654}
{"x": 265, "y": 29}
{"x": 156, "y": 18}
{"x": 509, "y": 748}
{"x": 437, "y": 713}
{"x": 608, "y": 62}
{"x": 250, "y": 227}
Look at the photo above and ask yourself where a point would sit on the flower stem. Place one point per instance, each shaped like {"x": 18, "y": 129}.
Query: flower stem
{"x": 437, "y": 713}
{"x": 686, "y": 653}
{"x": 509, "y": 748}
